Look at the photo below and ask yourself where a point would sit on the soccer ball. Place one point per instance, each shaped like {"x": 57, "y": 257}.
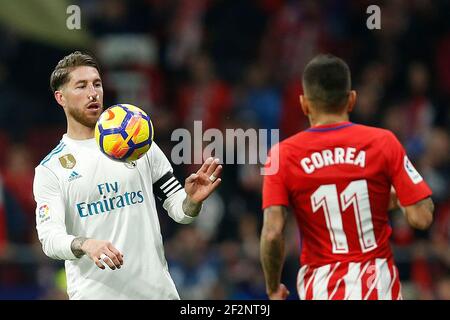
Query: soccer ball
{"x": 124, "y": 132}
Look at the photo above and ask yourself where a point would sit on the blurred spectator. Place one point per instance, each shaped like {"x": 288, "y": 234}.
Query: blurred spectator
{"x": 421, "y": 272}
{"x": 192, "y": 264}
{"x": 262, "y": 100}
{"x": 205, "y": 97}
{"x": 294, "y": 35}
{"x": 440, "y": 232}
{"x": 118, "y": 16}
{"x": 186, "y": 32}
{"x": 18, "y": 179}
{"x": 370, "y": 92}
{"x": 3, "y": 230}
{"x": 393, "y": 120}
{"x": 443, "y": 64}
{"x": 233, "y": 31}
{"x": 443, "y": 289}
{"x": 435, "y": 162}
{"x": 420, "y": 110}
{"x": 292, "y": 119}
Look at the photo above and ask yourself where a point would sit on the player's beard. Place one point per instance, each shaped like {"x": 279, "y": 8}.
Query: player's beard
{"x": 81, "y": 117}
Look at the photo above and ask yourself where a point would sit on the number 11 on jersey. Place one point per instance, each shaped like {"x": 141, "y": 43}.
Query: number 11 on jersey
{"x": 357, "y": 195}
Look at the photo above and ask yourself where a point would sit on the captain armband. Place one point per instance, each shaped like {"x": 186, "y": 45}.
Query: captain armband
{"x": 166, "y": 186}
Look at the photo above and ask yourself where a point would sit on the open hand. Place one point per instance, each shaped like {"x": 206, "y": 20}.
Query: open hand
{"x": 200, "y": 185}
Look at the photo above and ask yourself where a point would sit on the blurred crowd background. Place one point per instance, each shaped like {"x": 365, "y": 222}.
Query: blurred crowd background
{"x": 231, "y": 64}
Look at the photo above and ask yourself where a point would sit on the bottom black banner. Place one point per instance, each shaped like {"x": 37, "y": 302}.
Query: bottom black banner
{"x": 235, "y": 309}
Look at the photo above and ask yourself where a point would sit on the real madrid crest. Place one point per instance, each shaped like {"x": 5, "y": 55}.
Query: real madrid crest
{"x": 68, "y": 161}
{"x": 130, "y": 165}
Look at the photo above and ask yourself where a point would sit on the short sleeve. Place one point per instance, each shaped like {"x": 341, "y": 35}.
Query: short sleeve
{"x": 274, "y": 186}
{"x": 408, "y": 183}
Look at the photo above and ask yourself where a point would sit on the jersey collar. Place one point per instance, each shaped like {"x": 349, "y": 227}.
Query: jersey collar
{"x": 330, "y": 127}
{"x": 86, "y": 143}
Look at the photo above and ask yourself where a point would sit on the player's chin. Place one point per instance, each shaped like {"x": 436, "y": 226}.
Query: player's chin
{"x": 90, "y": 119}
{"x": 93, "y": 114}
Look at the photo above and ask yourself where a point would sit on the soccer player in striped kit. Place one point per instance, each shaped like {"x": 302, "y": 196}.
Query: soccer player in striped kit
{"x": 340, "y": 179}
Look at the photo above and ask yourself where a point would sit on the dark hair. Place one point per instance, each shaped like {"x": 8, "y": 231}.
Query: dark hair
{"x": 60, "y": 76}
{"x": 327, "y": 82}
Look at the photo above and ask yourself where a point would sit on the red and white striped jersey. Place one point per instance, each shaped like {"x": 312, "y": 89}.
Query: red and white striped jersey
{"x": 337, "y": 178}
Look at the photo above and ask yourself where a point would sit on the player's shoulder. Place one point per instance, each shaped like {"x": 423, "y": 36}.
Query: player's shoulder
{"x": 156, "y": 156}
{"x": 288, "y": 142}
{"x": 373, "y": 133}
{"x": 155, "y": 153}
{"x": 52, "y": 158}
{"x": 286, "y": 146}
{"x": 371, "y": 129}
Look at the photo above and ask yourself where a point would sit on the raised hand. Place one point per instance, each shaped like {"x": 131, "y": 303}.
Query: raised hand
{"x": 200, "y": 185}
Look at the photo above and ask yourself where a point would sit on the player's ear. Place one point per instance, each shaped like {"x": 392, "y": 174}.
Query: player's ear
{"x": 304, "y": 105}
{"x": 59, "y": 97}
{"x": 351, "y": 101}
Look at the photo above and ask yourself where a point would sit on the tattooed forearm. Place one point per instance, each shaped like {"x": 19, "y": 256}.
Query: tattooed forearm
{"x": 420, "y": 214}
{"x": 75, "y": 246}
{"x": 272, "y": 260}
{"x": 191, "y": 208}
{"x": 272, "y": 246}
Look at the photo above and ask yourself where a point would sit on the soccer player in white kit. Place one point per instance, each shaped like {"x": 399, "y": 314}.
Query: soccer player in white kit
{"x": 92, "y": 211}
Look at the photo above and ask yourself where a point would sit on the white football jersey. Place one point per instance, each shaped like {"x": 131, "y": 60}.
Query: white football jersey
{"x": 80, "y": 192}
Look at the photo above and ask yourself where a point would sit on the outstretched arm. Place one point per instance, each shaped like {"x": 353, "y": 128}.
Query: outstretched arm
{"x": 273, "y": 251}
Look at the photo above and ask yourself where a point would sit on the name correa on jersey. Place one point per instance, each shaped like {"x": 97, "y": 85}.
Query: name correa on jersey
{"x": 331, "y": 157}
{"x": 108, "y": 204}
